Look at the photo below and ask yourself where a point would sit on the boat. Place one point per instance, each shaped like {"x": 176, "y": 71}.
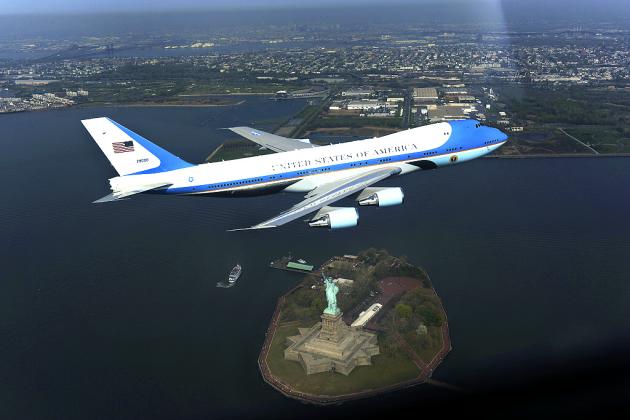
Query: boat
{"x": 235, "y": 273}
{"x": 301, "y": 261}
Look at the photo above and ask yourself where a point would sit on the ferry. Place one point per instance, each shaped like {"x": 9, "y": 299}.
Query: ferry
{"x": 235, "y": 273}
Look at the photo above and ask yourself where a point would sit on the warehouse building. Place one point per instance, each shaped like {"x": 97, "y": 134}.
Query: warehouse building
{"x": 425, "y": 95}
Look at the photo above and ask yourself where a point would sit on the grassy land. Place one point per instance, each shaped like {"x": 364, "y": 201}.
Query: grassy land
{"x": 541, "y": 141}
{"x": 604, "y": 139}
{"x": 423, "y": 308}
{"x": 388, "y": 368}
{"x": 597, "y": 117}
{"x": 426, "y": 346}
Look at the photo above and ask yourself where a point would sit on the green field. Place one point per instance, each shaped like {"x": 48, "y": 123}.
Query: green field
{"x": 597, "y": 117}
{"x": 541, "y": 141}
{"x": 604, "y": 139}
{"x": 425, "y": 346}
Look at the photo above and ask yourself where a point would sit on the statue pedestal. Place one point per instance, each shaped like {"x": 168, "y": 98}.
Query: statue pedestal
{"x": 332, "y": 327}
{"x": 331, "y": 346}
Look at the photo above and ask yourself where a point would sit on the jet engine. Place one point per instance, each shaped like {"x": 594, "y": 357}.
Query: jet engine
{"x": 381, "y": 197}
{"x": 335, "y": 218}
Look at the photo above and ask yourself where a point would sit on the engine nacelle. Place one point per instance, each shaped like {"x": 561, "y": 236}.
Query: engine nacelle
{"x": 335, "y": 218}
{"x": 381, "y": 197}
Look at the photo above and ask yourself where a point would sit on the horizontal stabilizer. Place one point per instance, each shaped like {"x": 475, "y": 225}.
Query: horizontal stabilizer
{"x": 120, "y": 194}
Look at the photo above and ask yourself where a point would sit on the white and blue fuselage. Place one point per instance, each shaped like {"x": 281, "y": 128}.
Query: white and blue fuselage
{"x": 326, "y": 173}
{"x": 427, "y": 147}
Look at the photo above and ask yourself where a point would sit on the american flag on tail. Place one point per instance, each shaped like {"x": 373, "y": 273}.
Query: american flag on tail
{"x": 123, "y": 146}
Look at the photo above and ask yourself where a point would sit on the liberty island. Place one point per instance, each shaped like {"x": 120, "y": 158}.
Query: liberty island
{"x": 315, "y": 352}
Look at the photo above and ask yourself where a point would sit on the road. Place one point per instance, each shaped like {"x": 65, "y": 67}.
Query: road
{"x": 578, "y": 140}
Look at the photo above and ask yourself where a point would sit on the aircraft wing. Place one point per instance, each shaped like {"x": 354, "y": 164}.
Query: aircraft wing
{"x": 327, "y": 194}
{"x": 271, "y": 141}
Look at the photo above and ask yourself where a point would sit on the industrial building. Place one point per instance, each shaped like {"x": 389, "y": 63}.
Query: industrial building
{"x": 425, "y": 95}
{"x": 455, "y": 91}
{"x": 440, "y": 113}
{"x": 369, "y": 105}
{"x": 357, "y": 93}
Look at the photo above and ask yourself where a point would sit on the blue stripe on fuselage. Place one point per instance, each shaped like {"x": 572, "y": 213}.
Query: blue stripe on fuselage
{"x": 465, "y": 135}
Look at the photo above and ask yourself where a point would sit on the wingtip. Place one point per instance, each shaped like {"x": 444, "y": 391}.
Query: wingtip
{"x": 108, "y": 198}
{"x": 251, "y": 228}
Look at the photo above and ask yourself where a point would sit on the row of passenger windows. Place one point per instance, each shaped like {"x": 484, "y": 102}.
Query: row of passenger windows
{"x": 311, "y": 171}
{"x": 230, "y": 184}
{"x": 491, "y": 141}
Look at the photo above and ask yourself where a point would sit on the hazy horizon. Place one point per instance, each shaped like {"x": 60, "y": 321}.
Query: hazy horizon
{"x": 619, "y": 9}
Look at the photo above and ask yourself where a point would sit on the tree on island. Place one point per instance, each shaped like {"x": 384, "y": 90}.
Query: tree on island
{"x": 404, "y": 311}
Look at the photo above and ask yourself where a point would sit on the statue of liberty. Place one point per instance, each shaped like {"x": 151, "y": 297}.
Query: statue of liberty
{"x": 331, "y": 296}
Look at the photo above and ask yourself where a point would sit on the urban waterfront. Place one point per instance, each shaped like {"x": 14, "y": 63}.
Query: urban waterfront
{"x": 112, "y": 311}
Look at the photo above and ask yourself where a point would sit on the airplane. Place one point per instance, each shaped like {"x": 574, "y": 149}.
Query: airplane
{"x": 325, "y": 174}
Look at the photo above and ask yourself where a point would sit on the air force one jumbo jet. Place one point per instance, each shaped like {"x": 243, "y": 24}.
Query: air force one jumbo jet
{"x": 325, "y": 173}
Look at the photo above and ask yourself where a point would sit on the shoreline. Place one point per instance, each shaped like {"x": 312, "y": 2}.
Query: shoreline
{"x": 203, "y": 95}
{"x": 160, "y": 105}
{"x": 166, "y": 105}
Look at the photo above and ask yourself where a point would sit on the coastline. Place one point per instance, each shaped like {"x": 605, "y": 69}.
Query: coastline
{"x": 161, "y": 105}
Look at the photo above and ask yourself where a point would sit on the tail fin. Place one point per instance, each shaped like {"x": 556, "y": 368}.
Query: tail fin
{"x": 128, "y": 152}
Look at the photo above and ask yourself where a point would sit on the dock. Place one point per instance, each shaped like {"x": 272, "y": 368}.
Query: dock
{"x": 287, "y": 263}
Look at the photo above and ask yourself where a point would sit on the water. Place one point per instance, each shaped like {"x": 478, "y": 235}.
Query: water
{"x": 111, "y": 310}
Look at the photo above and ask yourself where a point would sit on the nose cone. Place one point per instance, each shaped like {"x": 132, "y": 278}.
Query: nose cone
{"x": 501, "y": 136}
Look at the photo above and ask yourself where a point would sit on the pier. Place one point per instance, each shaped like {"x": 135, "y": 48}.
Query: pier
{"x": 288, "y": 263}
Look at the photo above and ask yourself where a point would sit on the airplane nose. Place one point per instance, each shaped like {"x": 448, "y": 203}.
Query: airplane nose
{"x": 502, "y": 135}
